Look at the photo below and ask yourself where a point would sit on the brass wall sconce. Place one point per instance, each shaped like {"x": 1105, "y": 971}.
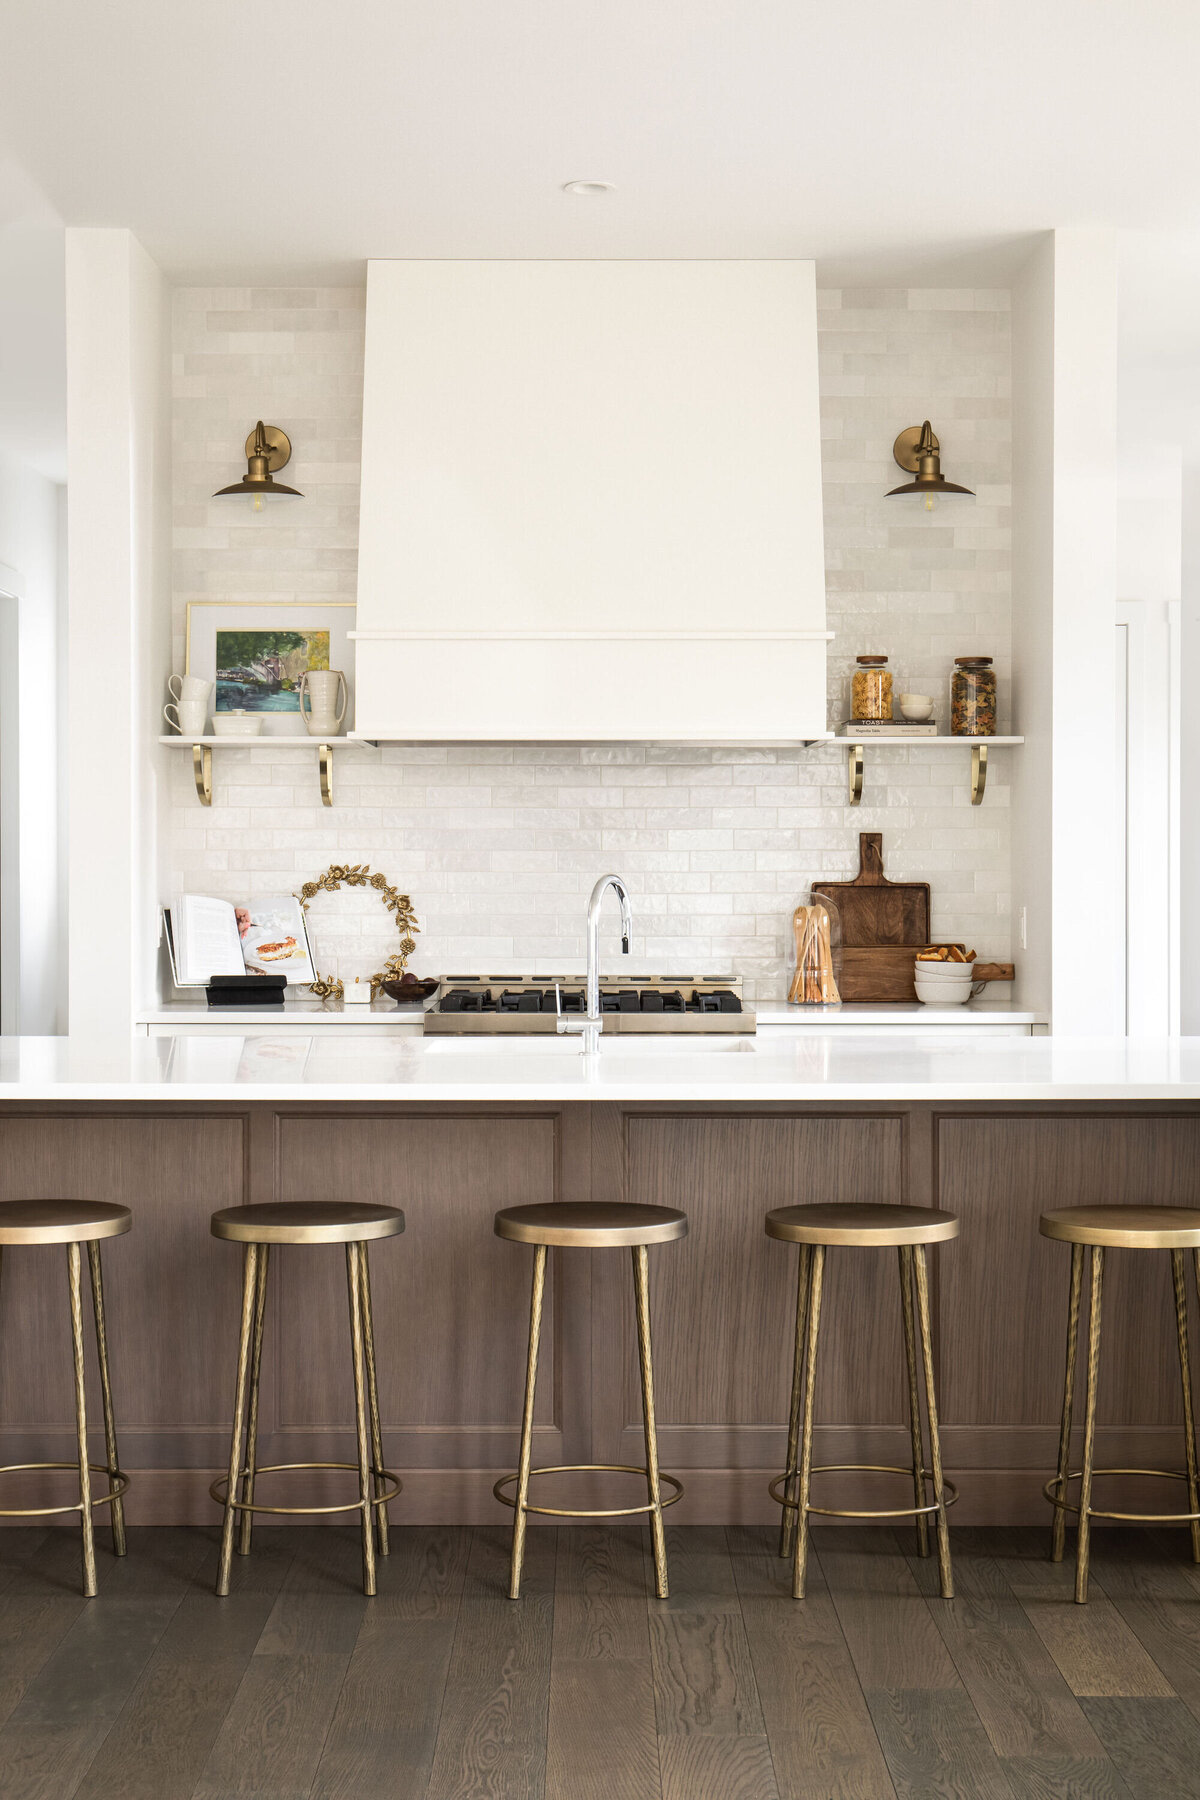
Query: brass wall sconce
{"x": 917, "y": 451}
{"x": 267, "y": 449}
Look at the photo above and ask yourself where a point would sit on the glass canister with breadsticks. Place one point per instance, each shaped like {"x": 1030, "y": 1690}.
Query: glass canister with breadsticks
{"x": 817, "y": 937}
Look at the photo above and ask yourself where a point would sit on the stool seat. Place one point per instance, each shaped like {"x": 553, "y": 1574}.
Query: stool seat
{"x": 863, "y": 1225}
{"x": 307, "y": 1222}
{"x": 590, "y": 1224}
{"x": 61, "y": 1221}
{"x": 1125, "y": 1227}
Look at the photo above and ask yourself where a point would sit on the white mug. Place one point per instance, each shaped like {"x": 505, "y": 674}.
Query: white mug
{"x": 325, "y": 688}
{"x": 190, "y": 687}
{"x": 190, "y": 717}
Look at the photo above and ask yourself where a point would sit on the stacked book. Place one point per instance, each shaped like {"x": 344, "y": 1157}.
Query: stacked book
{"x": 867, "y": 728}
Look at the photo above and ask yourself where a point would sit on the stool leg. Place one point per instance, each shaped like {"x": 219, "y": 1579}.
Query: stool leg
{"x": 246, "y": 1519}
{"x": 117, "y": 1506}
{"x": 914, "y": 1403}
{"x": 1058, "y": 1531}
{"x": 74, "y": 1277}
{"x": 535, "y": 1333}
{"x": 641, "y": 1289}
{"x": 373, "y": 1401}
{"x": 787, "y": 1523}
{"x": 800, "y": 1565}
{"x": 354, "y": 1273}
{"x": 1185, "y": 1371}
{"x": 1089, "y": 1425}
{"x": 249, "y": 1299}
{"x": 945, "y": 1579}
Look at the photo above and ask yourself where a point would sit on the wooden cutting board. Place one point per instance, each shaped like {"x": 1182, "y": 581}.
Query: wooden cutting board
{"x": 878, "y": 973}
{"x": 876, "y": 912}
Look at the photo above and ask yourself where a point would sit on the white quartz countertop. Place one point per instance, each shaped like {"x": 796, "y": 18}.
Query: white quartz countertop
{"x": 930, "y": 1065}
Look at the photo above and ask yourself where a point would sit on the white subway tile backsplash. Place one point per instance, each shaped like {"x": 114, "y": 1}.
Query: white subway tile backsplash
{"x": 499, "y": 844}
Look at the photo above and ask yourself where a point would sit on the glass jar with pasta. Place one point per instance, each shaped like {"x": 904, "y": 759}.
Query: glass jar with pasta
{"x": 871, "y": 689}
{"x": 973, "y": 697}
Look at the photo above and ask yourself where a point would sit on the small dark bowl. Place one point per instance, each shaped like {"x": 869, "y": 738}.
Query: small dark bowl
{"x": 409, "y": 992}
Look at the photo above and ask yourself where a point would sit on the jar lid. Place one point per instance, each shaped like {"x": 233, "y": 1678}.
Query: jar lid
{"x": 871, "y": 662}
{"x": 973, "y": 662}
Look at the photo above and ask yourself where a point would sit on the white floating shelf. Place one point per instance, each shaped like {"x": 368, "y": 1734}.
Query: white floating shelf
{"x": 237, "y": 743}
{"x": 904, "y": 737}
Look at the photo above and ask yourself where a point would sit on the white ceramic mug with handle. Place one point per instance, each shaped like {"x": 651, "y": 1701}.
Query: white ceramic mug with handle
{"x": 190, "y": 717}
{"x": 328, "y": 697}
{"x": 189, "y": 687}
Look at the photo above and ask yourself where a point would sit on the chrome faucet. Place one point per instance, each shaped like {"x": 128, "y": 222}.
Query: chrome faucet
{"x": 592, "y": 1023}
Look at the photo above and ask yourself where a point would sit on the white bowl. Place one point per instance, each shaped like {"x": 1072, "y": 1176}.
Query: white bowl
{"x": 943, "y": 993}
{"x": 237, "y": 724}
{"x": 916, "y": 707}
{"x": 939, "y": 971}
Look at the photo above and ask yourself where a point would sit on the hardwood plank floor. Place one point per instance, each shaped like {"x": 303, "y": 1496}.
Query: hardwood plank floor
{"x": 874, "y": 1688}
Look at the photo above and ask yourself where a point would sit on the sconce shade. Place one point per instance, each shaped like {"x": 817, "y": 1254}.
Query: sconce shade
{"x": 918, "y": 451}
{"x": 267, "y": 449}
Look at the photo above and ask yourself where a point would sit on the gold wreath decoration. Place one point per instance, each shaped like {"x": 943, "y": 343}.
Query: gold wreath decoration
{"x": 337, "y": 875}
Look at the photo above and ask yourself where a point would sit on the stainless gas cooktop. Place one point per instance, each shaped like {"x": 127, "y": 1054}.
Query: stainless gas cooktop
{"x": 630, "y": 1003}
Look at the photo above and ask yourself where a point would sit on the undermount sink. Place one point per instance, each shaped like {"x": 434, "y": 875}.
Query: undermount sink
{"x": 616, "y": 1045}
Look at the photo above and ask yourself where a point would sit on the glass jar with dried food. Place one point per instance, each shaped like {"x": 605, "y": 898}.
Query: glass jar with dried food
{"x": 973, "y": 697}
{"x": 871, "y": 688}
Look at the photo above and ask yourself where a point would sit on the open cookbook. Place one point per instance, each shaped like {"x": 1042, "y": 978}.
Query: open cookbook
{"x": 207, "y": 937}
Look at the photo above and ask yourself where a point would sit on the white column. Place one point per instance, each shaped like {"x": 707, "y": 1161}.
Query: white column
{"x": 1189, "y": 756}
{"x": 1065, "y": 856}
{"x": 118, "y": 486}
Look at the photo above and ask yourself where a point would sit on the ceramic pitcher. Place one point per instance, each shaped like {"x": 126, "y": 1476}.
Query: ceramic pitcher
{"x": 327, "y": 698}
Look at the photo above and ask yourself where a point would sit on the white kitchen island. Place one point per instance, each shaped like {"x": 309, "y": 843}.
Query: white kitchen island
{"x": 994, "y": 1129}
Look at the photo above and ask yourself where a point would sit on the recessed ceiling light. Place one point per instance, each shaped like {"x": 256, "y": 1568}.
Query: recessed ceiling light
{"x": 589, "y": 188}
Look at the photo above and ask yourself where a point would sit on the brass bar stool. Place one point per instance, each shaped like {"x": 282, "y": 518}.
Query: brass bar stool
{"x": 816, "y": 1229}
{"x": 75, "y": 1222}
{"x": 305, "y": 1222}
{"x": 1098, "y": 1228}
{"x": 591, "y": 1226}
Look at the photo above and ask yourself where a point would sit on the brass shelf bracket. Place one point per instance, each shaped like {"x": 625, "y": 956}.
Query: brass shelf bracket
{"x": 202, "y": 770}
{"x": 978, "y": 773}
{"x": 854, "y": 770}
{"x": 325, "y": 760}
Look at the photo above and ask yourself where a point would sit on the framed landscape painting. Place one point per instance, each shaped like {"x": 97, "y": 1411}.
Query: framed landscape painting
{"x": 255, "y": 651}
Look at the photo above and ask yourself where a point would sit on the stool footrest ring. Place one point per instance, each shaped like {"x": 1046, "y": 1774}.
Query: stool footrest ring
{"x": 574, "y": 1512}
{"x": 1062, "y": 1504}
{"x": 119, "y": 1481}
{"x": 217, "y": 1490}
{"x": 949, "y": 1491}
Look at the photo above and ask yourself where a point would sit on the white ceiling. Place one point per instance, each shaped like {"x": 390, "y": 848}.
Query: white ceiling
{"x": 922, "y": 143}
{"x": 250, "y": 141}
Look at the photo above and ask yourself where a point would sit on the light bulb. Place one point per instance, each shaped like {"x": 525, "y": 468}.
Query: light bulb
{"x": 929, "y": 503}
{"x": 258, "y": 503}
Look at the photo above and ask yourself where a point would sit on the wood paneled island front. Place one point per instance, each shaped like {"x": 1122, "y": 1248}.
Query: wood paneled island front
{"x": 995, "y": 1134}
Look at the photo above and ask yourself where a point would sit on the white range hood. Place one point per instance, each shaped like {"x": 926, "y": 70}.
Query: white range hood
{"x": 591, "y": 503}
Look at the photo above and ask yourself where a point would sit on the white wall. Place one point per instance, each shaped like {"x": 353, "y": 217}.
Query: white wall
{"x": 118, "y": 480}
{"x": 33, "y": 897}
